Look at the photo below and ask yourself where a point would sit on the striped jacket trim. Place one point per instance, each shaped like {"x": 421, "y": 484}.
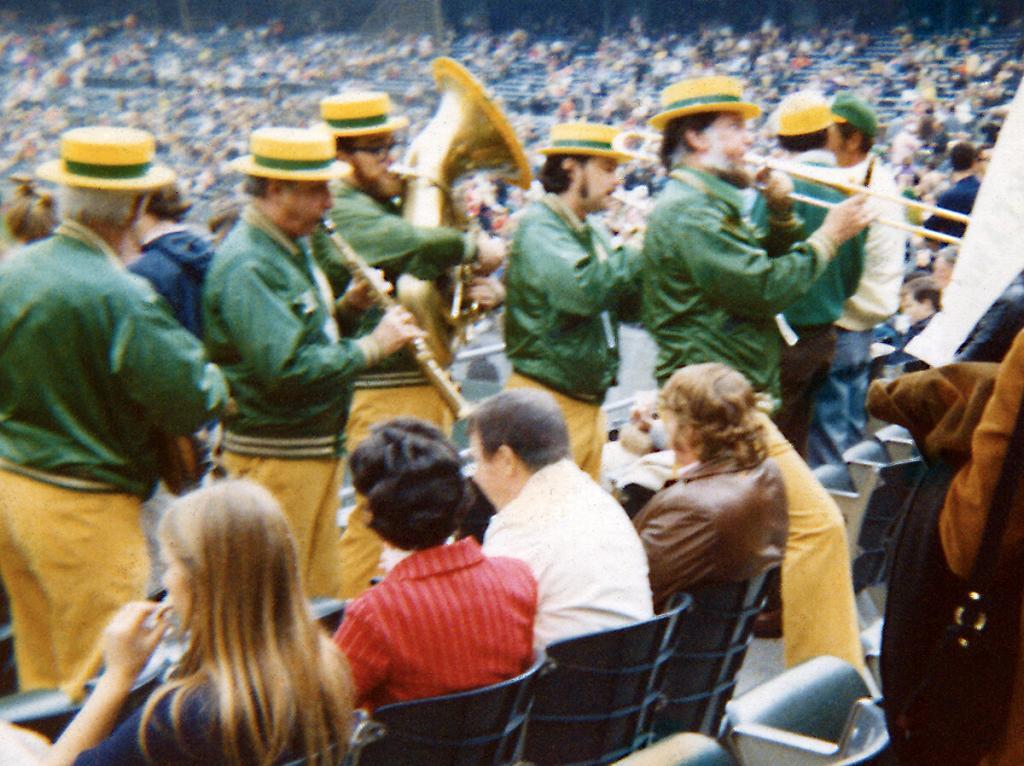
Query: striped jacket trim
{"x": 58, "y": 480}
{"x": 267, "y": 446}
{"x": 391, "y": 380}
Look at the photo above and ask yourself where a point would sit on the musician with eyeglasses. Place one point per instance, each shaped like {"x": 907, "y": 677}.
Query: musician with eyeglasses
{"x": 568, "y": 286}
{"x": 367, "y": 213}
{"x": 269, "y": 321}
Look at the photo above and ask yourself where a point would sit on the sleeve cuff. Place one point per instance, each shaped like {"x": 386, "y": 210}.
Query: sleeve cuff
{"x": 468, "y": 247}
{"x": 823, "y": 245}
{"x": 372, "y": 351}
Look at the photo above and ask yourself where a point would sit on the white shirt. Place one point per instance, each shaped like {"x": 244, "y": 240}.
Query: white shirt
{"x": 589, "y": 563}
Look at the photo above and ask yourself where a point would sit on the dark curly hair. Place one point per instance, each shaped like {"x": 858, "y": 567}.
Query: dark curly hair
{"x": 719, "y": 407}
{"x": 413, "y": 483}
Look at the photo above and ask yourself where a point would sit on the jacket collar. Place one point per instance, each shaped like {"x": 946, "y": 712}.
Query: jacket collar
{"x": 714, "y": 468}
{"x": 563, "y": 211}
{"x": 438, "y": 560}
{"x": 822, "y": 157}
{"x": 82, "y": 233}
{"x": 252, "y": 216}
{"x": 709, "y": 184}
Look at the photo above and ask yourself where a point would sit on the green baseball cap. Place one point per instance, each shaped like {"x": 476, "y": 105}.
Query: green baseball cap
{"x": 846, "y": 107}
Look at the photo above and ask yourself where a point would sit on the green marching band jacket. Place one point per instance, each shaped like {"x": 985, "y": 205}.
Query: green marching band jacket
{"x": 386, "y": 241}
{"x": 268, "y": 322}
{"x": 567, "y": 289}
{"x": 83, "y": 415}
{"x": 823, "y": 302}
{"x": 712, "y": 283}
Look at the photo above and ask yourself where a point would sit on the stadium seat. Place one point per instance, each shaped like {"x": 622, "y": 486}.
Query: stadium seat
{"x": 815, "y": 714}
{"x": 482, "y": 727}
{"x": 867, "y": 451}
{"x": 711, "y": 642}
{"x": 882, "y": 513}
{"x": 834, "y": 478}
{"x": 898, "y": 442}
{"x": 328, "y": 612}
{"x": 595, "y": 700}
{"x": 687, "y": 749}
{"x": 46, "y": 711}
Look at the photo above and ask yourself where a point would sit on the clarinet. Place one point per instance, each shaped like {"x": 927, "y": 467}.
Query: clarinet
{"x": 428, "y": 364}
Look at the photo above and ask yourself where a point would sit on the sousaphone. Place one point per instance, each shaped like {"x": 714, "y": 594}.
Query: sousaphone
{"x": 468, "y": 133}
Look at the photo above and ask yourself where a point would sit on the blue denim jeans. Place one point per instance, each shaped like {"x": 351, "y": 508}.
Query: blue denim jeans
{"x": 839, "y": 408}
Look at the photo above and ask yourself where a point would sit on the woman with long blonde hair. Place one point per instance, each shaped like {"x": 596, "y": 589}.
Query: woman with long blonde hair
{"x": 259, "y": 682}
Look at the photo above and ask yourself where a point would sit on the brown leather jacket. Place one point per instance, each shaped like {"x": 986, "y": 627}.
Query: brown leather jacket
{"x": 721, "y": 522}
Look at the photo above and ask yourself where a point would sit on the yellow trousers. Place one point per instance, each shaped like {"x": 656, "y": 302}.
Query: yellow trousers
{"x": 819, "y": 615}
{"x": 69, "y": 561}
{"x": 361, "y": 546}
{"x": 308, "y": 493}
{"x": 588, "y": 427}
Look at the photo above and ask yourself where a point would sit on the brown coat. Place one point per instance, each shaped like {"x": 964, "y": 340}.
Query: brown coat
{"x": 956, "y": 412}
{"x": 719, "y": 523}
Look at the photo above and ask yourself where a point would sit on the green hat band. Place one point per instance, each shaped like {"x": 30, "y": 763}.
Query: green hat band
{"x": 93, "y": 170}
{"x": 362, "y": 122}
{"x": 276, "y": 164}
{"x": 717, "y": 98}
{"x": 573, "y": 144}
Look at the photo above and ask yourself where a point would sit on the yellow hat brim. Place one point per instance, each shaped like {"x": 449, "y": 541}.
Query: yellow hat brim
{"x": 155, "y": 177}
{"x": 250, "y": 167}
{"x": 746, "y": 110}
{"x": 393, "y": 124}
{"x": 587, "y": 152}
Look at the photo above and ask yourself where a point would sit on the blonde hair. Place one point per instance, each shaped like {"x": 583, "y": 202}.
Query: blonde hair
{"x": 277, "y": 684}
{"x": 31, "y": 215}
{"x": 720, "y": 409}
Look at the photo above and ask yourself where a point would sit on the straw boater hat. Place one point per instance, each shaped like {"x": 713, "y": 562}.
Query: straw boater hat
{"x": 802, "y": 113}
{"x": 703, "y": 94}
{"x": 291, "y": 154}
{"x": 360, "y": 114}
{"x": 586, "y": 138}
{"x": 118, "y": 159}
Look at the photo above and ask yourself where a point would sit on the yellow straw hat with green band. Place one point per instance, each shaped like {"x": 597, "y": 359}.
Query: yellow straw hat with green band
{"x": 586, "y": 138}
{"x": 802, "y": 113}
{"x": 703, "y": 94}
{"x": 291, "y": 154}
{"x": 102, "y": 157}
{"x": 360, "y": 114}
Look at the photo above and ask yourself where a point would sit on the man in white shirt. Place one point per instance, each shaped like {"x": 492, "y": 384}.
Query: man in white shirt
{"x": 839, "y": 410}
{"x": 588, "y": 561}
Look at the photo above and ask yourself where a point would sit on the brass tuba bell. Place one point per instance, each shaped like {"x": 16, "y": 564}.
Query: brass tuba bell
{"x": 467, "y": 133}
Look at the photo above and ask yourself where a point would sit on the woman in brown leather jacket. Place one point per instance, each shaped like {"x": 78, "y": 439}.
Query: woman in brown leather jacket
{"x": 724, "y": 518}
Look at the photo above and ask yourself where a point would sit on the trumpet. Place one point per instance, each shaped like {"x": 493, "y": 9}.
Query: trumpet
{"x": 638, "y": 143}
{"x": 425, "y": 358}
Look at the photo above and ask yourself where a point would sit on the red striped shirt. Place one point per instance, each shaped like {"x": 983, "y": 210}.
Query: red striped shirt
{"x": 445, "y": 619}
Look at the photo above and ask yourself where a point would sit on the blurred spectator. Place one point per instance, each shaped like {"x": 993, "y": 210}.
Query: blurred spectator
{"x": 31, "y": 214}
{"x": 961, "y": 194}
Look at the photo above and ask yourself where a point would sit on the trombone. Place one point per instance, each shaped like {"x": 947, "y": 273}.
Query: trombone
{"x": 626, "y": 141}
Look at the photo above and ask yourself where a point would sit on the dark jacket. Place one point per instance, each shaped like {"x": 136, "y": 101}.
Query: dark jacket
{"x": 176, "y": 265}
{"x": 958, "y": 198}
{"x": 721, "y": 522}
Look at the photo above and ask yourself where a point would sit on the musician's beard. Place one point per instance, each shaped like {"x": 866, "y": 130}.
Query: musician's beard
{"x": 730, "y": 172}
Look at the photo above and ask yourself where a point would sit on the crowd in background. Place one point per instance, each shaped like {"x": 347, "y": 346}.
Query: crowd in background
{"x": 201, "y": 94}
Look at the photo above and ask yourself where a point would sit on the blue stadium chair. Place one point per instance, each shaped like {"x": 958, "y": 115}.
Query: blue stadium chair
{"x": 887, "y": 502}
{"x": 689, "y": 749}
{"x": 594, "y": 702}
{"x": 816, "y": 714}
{"x": 898, "y": 442}
{"x": 481, "y": 727}
{"x": 711, "y": 642}
{"x": 867, "y": 451}
{"x": 328, "y": 612}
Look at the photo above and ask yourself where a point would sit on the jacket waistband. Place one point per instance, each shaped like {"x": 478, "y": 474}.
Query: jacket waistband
{"x": 64, "y": 482}
{"x": 268, "y": 446}
{"x": 391, "y": 380}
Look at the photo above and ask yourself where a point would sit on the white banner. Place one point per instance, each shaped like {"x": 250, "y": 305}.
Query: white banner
{"x": 992, "y": 252}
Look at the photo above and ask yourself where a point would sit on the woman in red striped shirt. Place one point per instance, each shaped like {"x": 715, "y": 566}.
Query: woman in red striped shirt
{"x": 446, "y": 618}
